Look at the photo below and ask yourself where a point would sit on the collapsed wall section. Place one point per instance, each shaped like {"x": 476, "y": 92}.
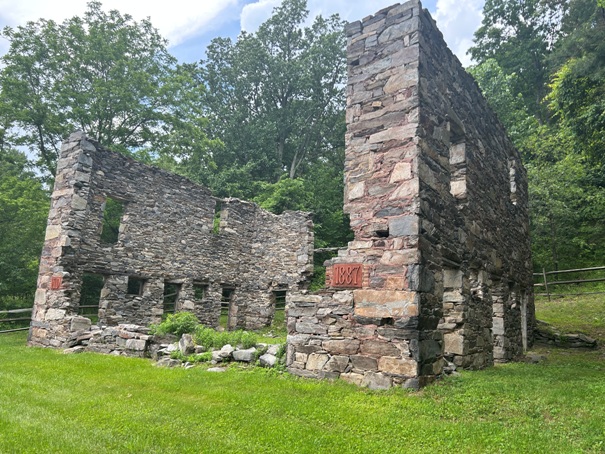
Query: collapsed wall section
{"x": 440, "y": 266}
{"x": 167, "y": 242}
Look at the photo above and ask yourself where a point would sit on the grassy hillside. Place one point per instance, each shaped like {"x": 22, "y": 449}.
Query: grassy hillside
{"x": 575, "y": 314}
{"x": 91, "y": 403}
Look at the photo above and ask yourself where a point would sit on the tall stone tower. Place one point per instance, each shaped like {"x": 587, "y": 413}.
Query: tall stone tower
{"x": 439, "y": 273}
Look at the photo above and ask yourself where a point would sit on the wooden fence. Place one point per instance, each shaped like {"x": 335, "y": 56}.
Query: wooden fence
{"x": 546, "y": 284}
{"x": 15, "y": 317}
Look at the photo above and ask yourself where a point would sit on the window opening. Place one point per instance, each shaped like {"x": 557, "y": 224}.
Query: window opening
{"x": 200, "y": 290}
{"x": 279, "y": 316}
{"x": 216, "y": 225}
{"x": 171, "y": 296}
{"x": 90, "y": 295}
{"x": 512, "y": 178}
{"x": 382, "y": 232}
{"x": 135, "y": 286}
{"x": 457, "y": 160}
{"x": 113, "y": 210}
{"x": 225, "y": 321}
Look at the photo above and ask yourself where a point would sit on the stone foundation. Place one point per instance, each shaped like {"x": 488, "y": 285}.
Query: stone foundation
{"x": 329, "y": 340}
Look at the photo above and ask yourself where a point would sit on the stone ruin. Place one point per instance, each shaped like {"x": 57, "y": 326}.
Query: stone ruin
{"x": 438, "y": 276}
{"x": 167, "y": 239}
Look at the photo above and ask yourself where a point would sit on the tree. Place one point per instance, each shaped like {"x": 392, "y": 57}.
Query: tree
{"x": 567, "y": 212}
{"x": 551, "y": 53}
{"x": 499, "y": 90}
{"x": 519, "y": 35}
{"x": 276, "y": 96}
{"x": 578, "y": 86}
{"x": 104, "y": 74}
{"x": 23, "y": 212}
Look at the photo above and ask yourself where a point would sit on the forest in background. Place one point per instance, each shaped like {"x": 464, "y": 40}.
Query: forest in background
{"x": 262, "y": 117}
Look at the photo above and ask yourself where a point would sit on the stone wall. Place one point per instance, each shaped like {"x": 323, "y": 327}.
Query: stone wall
{"x": 166, "y": 235}
{"x": 437, "y": 197}
{"x": 328, "y": 340}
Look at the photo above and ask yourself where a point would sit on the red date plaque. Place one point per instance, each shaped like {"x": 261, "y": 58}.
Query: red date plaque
{"x": 55, "y": 282}
{"x": 347, "y": 275}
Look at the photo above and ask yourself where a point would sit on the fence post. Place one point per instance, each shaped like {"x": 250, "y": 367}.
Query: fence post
{"x": 545, "y": 283}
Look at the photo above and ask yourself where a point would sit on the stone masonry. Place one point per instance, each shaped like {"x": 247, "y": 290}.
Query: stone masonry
{"x": 439, "y": 273}
{"x": 166, "y": 236}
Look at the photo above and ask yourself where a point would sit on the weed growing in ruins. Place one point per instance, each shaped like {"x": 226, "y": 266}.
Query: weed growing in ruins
{"x": 186, "y": 322}
{"x": 195, "y": 358}
{"x": 277, "y": 331}
{"x": 281, "y": 351}
{"x": 179, "y": 324}
{"x": 210, "y": 338}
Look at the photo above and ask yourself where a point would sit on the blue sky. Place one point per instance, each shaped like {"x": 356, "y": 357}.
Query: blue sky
{"x": 189, "y": 25}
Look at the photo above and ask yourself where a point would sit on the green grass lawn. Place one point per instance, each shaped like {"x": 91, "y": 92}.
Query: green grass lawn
{"x": 91, "y": 403}
{"x": 574, "y": 314}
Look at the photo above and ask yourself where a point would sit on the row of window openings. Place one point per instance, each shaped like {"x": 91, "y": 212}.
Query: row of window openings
{"x": 92, "y": 285}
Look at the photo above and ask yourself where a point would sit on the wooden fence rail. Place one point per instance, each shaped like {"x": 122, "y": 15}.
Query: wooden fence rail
{"x": 11, "y": 319}
{"x": 546, "y": 283}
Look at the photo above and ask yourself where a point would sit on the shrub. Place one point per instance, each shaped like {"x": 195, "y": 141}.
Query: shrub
{"x": 179, "y": 324}
{"x": 204, "y": 336}
{"x": 248, "y": 340}
{"x": 281, "y": 351}
{"x": 210, "y": 338}
{"x": 194, "y": 358}
{"x": 204, "y": 357}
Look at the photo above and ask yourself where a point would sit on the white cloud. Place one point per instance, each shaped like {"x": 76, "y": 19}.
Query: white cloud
{"x": 180, "y": 20}
{"x": 458, "y": 20}
{"x": 256, "y": 13}
{"x": 176, "y": 20}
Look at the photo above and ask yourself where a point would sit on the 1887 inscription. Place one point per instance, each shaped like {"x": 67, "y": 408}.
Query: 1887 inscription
{"x": 56, "y": 282}
{"x": 347, "y": 275}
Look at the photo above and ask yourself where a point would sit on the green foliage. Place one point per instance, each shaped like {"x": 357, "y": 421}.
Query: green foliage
{"x": 281, "y": 352}
{"x": 567, "y": 213}
{"x": 102, "y": 73}
{"x": 578, "y": 99}
{"x": 8, "y": 302}
{"x": 276, "y": 96}
{"x": 499, "y": 89}
{"x": 286, "y": 194}
{"x": 194, "y": 358}
{"x": 319, "y": 278}
{"x": 324, "y": 181}
{"x": 210, "y": 338}
{"x": 319, "y": 192}
{"x": 178, "y": 324}
{"x": 23, "y": 211}
{"x": 519, "y": 35}
{"x": 520, "y": 47}
{"x": 112, "y": 217}
{"x": 276, "y": 100}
